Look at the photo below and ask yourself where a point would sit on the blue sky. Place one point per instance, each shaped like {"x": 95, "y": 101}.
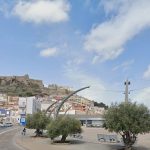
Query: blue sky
{"x": 77, "y": 43}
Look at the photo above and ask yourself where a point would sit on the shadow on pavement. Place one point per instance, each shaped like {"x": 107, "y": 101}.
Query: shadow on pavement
{"x": 69, "y": 142}
{"x": 141, "y": 148}
{"x": 119, "y": 147}
{"x": 77, "y": 142}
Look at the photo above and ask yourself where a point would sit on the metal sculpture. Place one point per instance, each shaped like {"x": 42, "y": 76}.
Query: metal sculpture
{"x": 67, "y": 110}
{"x": 66, "y": 98}
{"x": 50, "y": 106}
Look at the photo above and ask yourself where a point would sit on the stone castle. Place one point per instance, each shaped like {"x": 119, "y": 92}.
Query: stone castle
{"x": 8, "y": 80}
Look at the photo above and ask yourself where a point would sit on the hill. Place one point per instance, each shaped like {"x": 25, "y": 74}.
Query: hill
{"x": 24, "y": 86}
{"x": 20, "y": 85}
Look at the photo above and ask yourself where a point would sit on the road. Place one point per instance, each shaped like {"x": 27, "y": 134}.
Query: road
{"x": 7, "y": 138}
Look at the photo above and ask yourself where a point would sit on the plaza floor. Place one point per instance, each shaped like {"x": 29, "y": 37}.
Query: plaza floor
{"x": 89, "y": 142}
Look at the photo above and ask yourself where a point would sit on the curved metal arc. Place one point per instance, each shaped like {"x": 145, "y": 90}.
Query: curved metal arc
{"x": 67, "y": 110}
{"x": 51, "y": 111}
{"x": 66, "y": 98}
{"x": 50, "y": 107}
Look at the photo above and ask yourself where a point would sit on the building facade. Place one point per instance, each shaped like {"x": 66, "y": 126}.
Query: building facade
{"x": 29, "y": 105}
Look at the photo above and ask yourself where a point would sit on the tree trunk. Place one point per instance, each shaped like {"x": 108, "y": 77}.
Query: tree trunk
{"x": 52, "y": 140}
{"x": 63, "y": 139}
{"x": 128, "y": 139}
{"x": 38, "y": 132}
{"x": 128, "y": 147}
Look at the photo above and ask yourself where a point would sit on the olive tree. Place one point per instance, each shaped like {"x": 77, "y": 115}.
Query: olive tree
{"x": 37, "y": 121}
{"x": 129, "y": 120}
{"x": 63, "y": 126}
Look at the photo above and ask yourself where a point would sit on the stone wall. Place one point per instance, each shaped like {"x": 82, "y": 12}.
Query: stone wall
{"x": 8, "y": 80}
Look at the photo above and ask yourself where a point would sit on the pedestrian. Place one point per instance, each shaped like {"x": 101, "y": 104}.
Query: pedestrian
{"x": 24, "y": 131}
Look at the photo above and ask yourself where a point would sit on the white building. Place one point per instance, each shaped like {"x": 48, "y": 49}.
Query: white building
{"x": 3, "y": 97}
{"x": 45, "y": 105}
{"x": 98, "y": 110}
{"x": 28, "y": 105}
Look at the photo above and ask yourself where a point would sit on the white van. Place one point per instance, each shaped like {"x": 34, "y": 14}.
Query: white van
{"x": 8, "y": 124}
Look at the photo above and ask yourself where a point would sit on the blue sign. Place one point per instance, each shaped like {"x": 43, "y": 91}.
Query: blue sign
{"x": 23, "y": 121}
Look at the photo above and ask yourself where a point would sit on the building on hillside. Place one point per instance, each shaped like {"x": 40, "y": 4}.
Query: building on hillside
{"x": 28, "y": 105}
{"x": 3, "y": 100}
{"x": 81, "y": 100}
{"x": 76, "y": 105}
{"x": 45, "y": 105}
{"x": 13, "y": 100}
{"x": 67, "y": 109}
{"x": 98, "y": 110}
{"x": 4, "y": 113}
{"x": 91, "y": 120}
{"x": 58, "y": 90}
{"x": 5, "y": 116}
{"x": 9, "y": 102}
{"x": 12, "y": 103}
{"x": 69, "y": 112}
{"x": 9, "y": 105}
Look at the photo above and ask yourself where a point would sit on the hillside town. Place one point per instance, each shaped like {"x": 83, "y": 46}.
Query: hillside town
{"x": 75, "y": 75}
{"x": 15, "y": 108}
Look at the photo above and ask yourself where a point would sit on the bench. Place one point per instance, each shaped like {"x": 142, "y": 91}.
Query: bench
{"x": 79, "y": 136}
{"x": 107, "y": 138}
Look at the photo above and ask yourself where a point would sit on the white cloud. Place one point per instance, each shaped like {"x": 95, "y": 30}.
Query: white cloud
{"x": 124, "y": 66}
{"x": 95, "y": 59}
{"x": 76, "y": 61}
{"x": 49, "y": 52}
{"x": 147, "y": 73}
{"x": 85, "y": 80}
{"x": 92, "y": 8}
{"x": 143, "y": 97}
{"x": 113, "y": 6}
{"x": 107, "y": 39}
{"x": 97, "y": 90}
{"x": 42, "y": 11}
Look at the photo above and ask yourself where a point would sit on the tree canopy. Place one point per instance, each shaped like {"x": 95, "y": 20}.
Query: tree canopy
{"x": 37, "y": 121}
{"x": 101, "y": 104}
{"x": 63, "y": 126}
{"x": 128, "y": 119}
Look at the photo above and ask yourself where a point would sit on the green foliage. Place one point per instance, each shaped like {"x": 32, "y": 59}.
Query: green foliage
{"x": 21, "y": 89}
{"x": 100, "y": 105}
{"x": 37, "y": 121}
{"x": 128, "y": 119}
{"x": 63, "y": 126}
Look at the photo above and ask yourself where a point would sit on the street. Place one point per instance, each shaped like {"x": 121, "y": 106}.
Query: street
{"x": 7, "y": 138}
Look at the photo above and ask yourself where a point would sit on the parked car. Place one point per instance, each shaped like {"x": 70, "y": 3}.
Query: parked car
{"x": 1, "y": 125}
{"x": 8, "y": 124}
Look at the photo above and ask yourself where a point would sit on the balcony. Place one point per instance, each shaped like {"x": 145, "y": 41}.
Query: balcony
{"x": 22, "y": 113}
{"x": 22, "y": 106}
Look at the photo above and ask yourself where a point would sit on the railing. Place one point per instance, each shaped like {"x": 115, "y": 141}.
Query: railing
{"x": 22, "y": 106}
{"x": 108, "y": 138}
{"x": 22, "y": 113}
{"x": 78, "y": 136}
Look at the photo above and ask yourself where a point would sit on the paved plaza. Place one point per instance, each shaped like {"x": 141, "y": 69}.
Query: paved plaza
{"x": 88, "y": 142}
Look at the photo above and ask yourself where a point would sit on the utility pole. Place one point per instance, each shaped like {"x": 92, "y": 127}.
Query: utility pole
{"x": 126, "y": 83}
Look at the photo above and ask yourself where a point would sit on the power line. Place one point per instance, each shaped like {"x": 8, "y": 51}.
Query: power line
{"x": 114, "y": 91}
{"x": 140, "y": 89}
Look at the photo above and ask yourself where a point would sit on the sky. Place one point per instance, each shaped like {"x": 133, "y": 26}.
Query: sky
{"x": 77, "y": 43}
